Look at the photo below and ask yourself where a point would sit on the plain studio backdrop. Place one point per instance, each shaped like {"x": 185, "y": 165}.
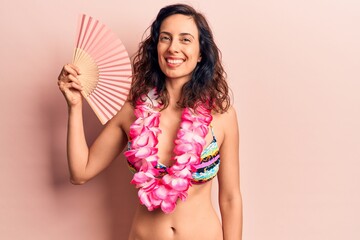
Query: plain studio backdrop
{"x": 294, "y": 69}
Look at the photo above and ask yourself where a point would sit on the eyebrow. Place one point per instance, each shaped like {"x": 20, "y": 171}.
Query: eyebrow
{"x": 181, "y": 34}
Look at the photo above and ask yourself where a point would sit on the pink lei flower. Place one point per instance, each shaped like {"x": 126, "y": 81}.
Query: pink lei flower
{"x": 155, "y": 189}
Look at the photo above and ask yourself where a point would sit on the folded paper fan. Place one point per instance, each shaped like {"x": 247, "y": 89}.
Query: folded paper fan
{"x": 104, "y": 65}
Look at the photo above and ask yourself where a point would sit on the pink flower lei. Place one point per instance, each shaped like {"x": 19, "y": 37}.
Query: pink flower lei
{"x": 156, "y": 190}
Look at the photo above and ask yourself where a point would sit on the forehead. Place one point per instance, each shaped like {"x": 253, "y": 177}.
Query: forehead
{"x": 178, "y": 23}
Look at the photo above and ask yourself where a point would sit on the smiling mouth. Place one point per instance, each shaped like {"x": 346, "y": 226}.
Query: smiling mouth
{"x": 174, "y": 61}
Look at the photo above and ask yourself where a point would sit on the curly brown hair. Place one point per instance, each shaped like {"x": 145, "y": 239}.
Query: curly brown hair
{"x": 208, "y": 81}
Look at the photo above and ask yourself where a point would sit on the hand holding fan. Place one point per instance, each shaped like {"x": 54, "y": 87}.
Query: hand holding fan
{"x": 105, "y": 67}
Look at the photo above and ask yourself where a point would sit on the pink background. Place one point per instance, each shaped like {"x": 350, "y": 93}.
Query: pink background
{"x": 294, "y": 68}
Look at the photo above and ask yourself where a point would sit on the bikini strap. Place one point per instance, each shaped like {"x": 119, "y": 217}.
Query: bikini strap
{"x": 212, "y": 132}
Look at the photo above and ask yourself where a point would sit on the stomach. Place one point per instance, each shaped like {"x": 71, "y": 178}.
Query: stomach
{"x": 195, "y": 218}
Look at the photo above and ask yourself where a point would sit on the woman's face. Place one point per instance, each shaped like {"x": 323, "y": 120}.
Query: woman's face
{"x": 178, "y": 47}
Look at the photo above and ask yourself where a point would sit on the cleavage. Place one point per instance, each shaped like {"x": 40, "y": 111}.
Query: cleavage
{"x": 169, "y": 125}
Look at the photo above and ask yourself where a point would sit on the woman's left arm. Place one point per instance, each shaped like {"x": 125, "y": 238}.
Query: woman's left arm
{"x": 229, "y": 178}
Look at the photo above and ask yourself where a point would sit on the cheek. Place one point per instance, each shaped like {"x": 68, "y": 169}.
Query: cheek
{"x": 160, "y": 51}
{"x": 158, "y": 48}
{"x": 195, "y": 55}
{"x": 195, "y": 52}
{"x": 198, "y": 52}
{"x": 159, "y": 54}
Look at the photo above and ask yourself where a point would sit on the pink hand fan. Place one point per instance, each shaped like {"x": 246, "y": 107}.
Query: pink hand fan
{"x": 104, "y": 65}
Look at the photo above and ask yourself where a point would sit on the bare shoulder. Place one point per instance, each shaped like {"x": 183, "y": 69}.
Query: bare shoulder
{"x": 225, "y": 124}
{"x": 226, "y": 119}
{"x": 230, "y": 114}
{"x": 125, "y": 117}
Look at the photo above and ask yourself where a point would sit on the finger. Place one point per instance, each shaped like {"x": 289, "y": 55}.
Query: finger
{"x": 76, "y": 68}
{"x": 73, "y": 68}
{"x": 63, "y": 73}
{"x": 67, "y": 87}
{"x": 68, "y": 79}
{"x": 76, "y": 86}
{"x": 70, "y": 69}
{"x": 62, "y": 86}
{"x": 74, "y": 79}
{"x": 67, "y": 70}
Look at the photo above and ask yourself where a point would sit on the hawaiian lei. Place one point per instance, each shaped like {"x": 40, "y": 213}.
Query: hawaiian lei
{"x": 156, "y": 191}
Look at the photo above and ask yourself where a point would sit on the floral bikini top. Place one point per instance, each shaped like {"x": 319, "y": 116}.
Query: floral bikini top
{"x": 205, "y": 171}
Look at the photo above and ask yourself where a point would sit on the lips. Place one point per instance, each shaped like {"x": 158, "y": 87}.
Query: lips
{"x": 174, "y": 61}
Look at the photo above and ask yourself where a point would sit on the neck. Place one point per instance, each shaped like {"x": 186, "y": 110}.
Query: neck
{"x": 174, "y": 87}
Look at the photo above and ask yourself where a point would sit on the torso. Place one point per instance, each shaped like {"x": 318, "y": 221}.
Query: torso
{"x": 195, "y": 218}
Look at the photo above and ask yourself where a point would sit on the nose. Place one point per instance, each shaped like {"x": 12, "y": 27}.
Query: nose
{"x": 173, "y": 47}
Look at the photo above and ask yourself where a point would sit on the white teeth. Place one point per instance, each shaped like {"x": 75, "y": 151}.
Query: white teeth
{"x": 174, "y": 61}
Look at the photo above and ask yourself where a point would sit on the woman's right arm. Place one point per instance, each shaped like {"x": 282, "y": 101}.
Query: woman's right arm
{"x": 84, "y": 162}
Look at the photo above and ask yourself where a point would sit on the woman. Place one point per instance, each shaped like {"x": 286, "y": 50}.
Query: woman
{"x": 176, "y": 123}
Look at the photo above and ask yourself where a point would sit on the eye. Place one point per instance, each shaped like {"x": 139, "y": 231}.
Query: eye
{"x": 164, "y": 38}
{"x": 186, "y": 40}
